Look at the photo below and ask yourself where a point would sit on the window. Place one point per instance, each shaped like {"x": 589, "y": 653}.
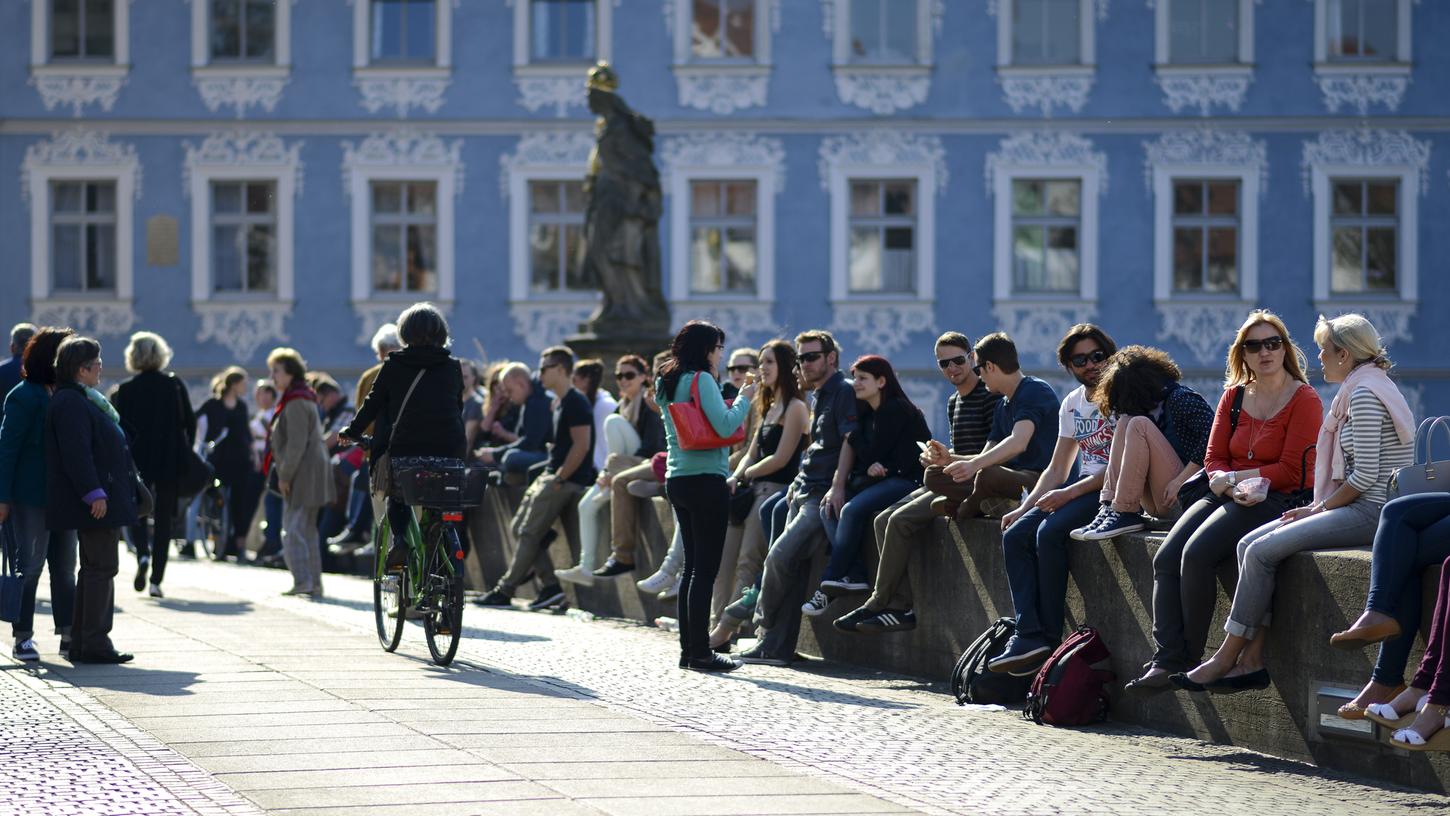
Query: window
{"x": 722, "y": 237}
{"x": 556, "y": 236}
{"x": 1047, "y": 32}
{"x": 883, "y": 237}
{"x": 1202, "y": 32}
{"x": 83, "y": 248}
{"x": 1366, "y": 30}
{"x": 82, "y": 29}
{"x": 884, "y": 31}
{"x": 244, "y": 236}
{"x": 562, "y": 30}
{"x": 723, "y": 30}
{"x": 1364, "y": 234}
{"x": 402, "y": 31}
{"x": 243, "y": 30}
{"x": 1205, "y": 235}
{"x": 1046, "y": 229}
{"x": 404, "y": 236}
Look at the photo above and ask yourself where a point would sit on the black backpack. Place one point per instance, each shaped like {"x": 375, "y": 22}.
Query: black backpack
{"x": 973, "y": 683}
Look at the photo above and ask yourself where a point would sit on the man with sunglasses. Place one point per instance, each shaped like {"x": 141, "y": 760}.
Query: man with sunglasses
{"x": 743, "y": 361}
{"x": 901, "y": 527}
{"x": 1066, "y": 496}
{"x": 785, "y": 583}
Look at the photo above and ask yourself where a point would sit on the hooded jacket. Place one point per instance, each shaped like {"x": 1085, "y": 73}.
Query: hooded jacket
{"x": 433, "y": 422}
{"x": 87, "y": 457}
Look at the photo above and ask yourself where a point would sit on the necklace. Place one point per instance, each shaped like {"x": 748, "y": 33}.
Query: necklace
{"x": 1254, "y": 434}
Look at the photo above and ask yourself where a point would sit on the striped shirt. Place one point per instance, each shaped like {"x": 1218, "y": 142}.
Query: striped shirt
{"x": 971, "y": 419}
{"x": 1372, "y": 448}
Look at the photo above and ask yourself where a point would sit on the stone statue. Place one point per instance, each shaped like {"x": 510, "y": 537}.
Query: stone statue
{"x": 621, "y": 217}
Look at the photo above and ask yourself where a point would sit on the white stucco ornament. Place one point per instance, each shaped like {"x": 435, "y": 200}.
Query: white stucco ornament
{"x": 537, "y": 93}
{"x": 1366, "y": 147}
{"x": 1045, "y": 93}
{"x": 240, "y": 92}
{"x": 1037, "y": 328}
{"x": 883, "y": 148}
{"x": 723, "y": 149}
{"x": 882, "y": 92}
{"x": 546, "y": 148}
{"x": 401, "y": 93}
{"x": 1207, "y": 146}
{"x": 1201, "y": 327}
{"x": 76, "y": 92}
{"x": 1360, "y": 92}
{"x": 722, "y": 92}
{"x": 79, "y": 147}
{"x": 242, "y": 148}
{"x": 882, "y": 327}
{"x": 242, "y": 328}
{"x": 97, "y": 319}
{"x": 1046, "y": 148}
{"x": 543, "y": 324}
{"x": 1204, "y": 91}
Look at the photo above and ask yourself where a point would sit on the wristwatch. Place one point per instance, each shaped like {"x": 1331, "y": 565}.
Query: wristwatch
{"x": 1233, "y": 478}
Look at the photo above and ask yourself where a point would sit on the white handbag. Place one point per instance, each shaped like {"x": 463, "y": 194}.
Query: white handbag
{"x": 1427, "y": 475}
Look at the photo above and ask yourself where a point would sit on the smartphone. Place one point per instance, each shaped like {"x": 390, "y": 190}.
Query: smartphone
{"x": 923, "y": 446}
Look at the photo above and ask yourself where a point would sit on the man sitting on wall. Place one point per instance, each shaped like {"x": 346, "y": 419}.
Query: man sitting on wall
{"x": 1035, "y": 542}
{"x": 569, "y": 473}
{"x": 1019, "y": 447}
{"x": 904, "y": 525}
{"x": 535, "y": 420}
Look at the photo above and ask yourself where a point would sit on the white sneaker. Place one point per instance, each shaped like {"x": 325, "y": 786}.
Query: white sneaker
{"x": 25, "y": 650}
{"x": 673, "y": 592}
{"x": 659, "y": 582}
{"x": 816, "y": 605}
{"x": 576, "y": 575}
{"x": 155, "y": 591}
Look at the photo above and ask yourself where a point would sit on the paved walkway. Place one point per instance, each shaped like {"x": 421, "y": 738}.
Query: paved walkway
{"x": 242, "y": 700}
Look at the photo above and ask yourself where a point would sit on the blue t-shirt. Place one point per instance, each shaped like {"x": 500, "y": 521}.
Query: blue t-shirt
{"x": 1036, "y": 402}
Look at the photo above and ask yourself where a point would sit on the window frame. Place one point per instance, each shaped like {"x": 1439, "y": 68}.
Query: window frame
{"x": 104, "y": 78}
{"x": 841, "y": 41}
{"x": 881, "y": 223}
{"x": 680, "y": 205}
{"x": 283, "y": 176}
{"x": 523, "y": 51}
{"x": 840, "y": 179}
{"x": 1047, "y": 221}
{"x": 1248, "y": 178}
{"x": 363, "y": 63}
{"x": 81, "y": 219}
{"x": 245, "y": 220}
{"x": 202, "y": 63}
{"x": 1088, "y": 177}
{"x": 1162, "y": 48}
{"x": 520, "y": 272}
{"x": 684, "y": 12}
{"x": 1403, "y": 36}
{"x": 563, "y": 291}
{"x": 1087, "y": 43}
{"x": 1322, "y": 178}
{"x": 125, "y": 175}
{"x": 360, "y": 180}
{"x": 722, "y": 223}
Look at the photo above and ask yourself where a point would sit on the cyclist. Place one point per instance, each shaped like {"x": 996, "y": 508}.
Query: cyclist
{"x": 432, "y": 424}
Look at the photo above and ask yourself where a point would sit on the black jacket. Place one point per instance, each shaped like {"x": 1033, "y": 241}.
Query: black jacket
{"x": 889, "y": 435}
{"x": 651, "y": 432}
{"x": 84, "y": 450}
{"x": 156, "y": 410}
{"x": 433, "y": 423}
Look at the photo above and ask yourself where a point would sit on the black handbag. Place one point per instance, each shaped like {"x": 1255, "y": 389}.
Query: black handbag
{"x": 196, "y": 472}
{"x": 382, "y": 468}
{"x": 12, "y": 585}
{"x": 741, "y": 502}
{"x": 145, "y": 501}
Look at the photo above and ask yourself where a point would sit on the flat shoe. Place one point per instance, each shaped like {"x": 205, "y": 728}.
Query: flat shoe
{"x": 1355, "y": 639}
{"x": 1181, "y": 681}
{"x": 1253, "y": 681}
{"x": 1146, "y": 686}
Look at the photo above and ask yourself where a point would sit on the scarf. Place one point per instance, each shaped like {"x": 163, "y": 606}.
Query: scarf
{"x": 1329, "y": 470}
{"x": 104, "y": 404}
{"x": 297, "y": 391}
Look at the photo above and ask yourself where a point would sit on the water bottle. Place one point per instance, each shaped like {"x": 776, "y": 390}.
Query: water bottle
{"x": 580, "y": 615}
{"x": 668, "y": 624}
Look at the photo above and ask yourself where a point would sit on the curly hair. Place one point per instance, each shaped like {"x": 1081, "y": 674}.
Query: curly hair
{"x": 1132, "y": 384}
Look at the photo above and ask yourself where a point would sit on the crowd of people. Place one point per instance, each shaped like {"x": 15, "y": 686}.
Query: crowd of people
{"x": 768, "y": 459}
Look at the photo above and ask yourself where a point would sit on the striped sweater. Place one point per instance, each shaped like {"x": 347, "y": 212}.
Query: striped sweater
{"x": 1372, "y": 449}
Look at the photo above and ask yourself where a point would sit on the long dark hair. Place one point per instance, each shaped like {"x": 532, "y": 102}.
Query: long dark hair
{"x": 690, "y": 351}
{"x": 878, "y": 366}
{"x": 1134, "y": 382}
{"x": 787, "y": 387}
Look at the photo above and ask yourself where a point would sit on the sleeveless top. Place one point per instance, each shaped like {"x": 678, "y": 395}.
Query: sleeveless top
{"x": 768, "y": 439}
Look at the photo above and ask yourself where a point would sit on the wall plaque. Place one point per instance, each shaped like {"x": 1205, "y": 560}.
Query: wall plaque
{"x": 161, "y": 241}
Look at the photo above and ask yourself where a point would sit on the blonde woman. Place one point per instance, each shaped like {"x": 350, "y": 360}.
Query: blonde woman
{"x": 155, "y": 407}
{"x": 1368, "y": 433}
{"x": 1266, "y": 419}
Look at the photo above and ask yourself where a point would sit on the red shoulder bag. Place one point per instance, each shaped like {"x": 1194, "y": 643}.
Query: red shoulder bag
{"x": 693, "y": 428}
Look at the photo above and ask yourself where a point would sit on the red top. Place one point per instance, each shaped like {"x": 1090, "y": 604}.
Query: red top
{"x": 1278, "y": 442}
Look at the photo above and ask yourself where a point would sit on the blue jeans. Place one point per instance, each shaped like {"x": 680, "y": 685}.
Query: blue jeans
{"x": 772, "y": 517}
{"x": 845, "y": 533}
{"x": 37, "y": 547}
{"x": 1035, "y": 550}
{"x": 272, "y": 513}
{"x": 515, "y": 460}
{"x": 1413, "y": 533}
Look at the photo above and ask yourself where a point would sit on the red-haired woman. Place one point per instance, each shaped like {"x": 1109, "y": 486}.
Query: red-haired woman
{"x": 879, "y": 464}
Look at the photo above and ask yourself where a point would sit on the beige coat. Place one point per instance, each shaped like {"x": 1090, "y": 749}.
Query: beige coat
{"x": 300, "y": 456}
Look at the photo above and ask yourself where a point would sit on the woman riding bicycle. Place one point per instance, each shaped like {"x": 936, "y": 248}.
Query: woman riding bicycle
{"x": 432, "y": 424}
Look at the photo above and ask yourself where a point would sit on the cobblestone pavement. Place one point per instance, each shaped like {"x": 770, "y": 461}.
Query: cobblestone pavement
{"x": 65, "y": 753}
{"x": 883, "y": 735}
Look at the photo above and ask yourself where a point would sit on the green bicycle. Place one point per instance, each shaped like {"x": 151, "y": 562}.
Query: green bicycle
{"x": 430, "y": 585}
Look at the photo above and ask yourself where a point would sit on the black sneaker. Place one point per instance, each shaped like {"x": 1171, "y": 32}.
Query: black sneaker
{"x": 888, "y": 620}
{"x": 1023, "y": 655}
{"x": 758, "y": 657}
{"x": 848, "y": 621}
{"x": 551, "y": 595}
{"x": 1116, "y": 525}
{"x": 495, "y": 598}
{"x": 140, "y": 583}
{"x": 613, "y": 569}
{"x": 713, "y": 663}
{"x": 1105, "y": 511}
{"x": 836, "y": 587}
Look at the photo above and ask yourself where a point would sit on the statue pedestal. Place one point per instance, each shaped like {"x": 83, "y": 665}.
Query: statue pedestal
{"x": 610, "y": 348}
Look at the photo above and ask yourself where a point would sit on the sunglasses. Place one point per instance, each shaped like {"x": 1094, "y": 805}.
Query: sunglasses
{"x": 977, "y": 369}
{"x": 547, "y": 366}
{"x": 1255, "y": 346}
{"x": 959, "y": 360}
{"x": 1080, "y": 360}
{"x": 740, "y": 369}
{"x": 625, "y": 376}
{"x": 809, "y": 357}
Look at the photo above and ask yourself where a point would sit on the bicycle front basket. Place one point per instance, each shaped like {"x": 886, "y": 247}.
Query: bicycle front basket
{"x": 438, "y": 483}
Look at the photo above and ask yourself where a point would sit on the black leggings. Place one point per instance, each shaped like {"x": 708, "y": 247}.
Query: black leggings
{"x": 702, "y": 506}
{"x": 155, "y": 544}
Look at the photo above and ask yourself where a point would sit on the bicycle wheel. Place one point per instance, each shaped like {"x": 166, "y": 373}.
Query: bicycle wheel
{"x": 443, "y": 622}
{"x": 390, "y": 595}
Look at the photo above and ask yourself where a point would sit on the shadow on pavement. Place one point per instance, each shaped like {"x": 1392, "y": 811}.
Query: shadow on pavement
{"x": 127, "y": 678}
{"x": 817, "y": 695}
{"x": 206, "y": 607}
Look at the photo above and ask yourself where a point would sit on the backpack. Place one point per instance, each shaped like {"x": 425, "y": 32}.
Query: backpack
{"x": 1071, "y": 688}
{"x": 973, "y": 683}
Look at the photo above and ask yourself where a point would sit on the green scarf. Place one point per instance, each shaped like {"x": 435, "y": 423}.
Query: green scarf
{"x": 104, "y": 404}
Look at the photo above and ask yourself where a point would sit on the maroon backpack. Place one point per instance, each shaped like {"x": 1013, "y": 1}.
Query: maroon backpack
{"x": 1071, "y": 688}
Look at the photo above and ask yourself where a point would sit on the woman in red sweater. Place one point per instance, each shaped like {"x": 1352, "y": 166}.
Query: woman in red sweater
{"x": 1276, "y": 420}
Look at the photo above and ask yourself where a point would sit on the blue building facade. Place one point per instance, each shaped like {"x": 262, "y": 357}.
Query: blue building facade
{"x": 239, "y": 174}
